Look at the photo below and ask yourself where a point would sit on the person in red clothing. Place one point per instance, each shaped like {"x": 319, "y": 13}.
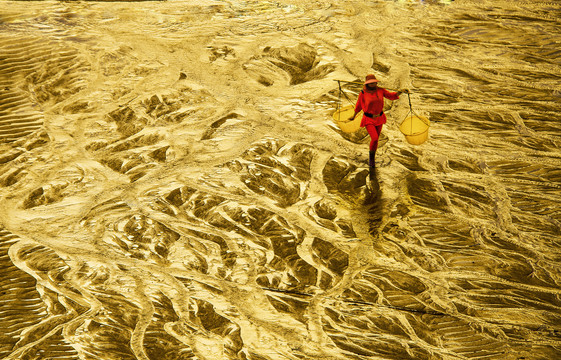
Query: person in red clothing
{"x": 371, "y": 101}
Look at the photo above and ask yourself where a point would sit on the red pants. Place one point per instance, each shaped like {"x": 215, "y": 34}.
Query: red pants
{"x": 374, "y": 132}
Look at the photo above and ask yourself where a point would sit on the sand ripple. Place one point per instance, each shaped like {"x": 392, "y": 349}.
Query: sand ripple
{"x": 172, "y": 185}
{"x": 32, "y": 72}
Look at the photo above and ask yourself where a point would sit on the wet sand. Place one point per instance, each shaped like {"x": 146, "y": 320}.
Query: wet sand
{"x": 173, "y": 185}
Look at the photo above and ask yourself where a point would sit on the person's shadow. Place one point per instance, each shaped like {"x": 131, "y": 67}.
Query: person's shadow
{"x": 374, "y": 182}
{"x": 374, "y": 202}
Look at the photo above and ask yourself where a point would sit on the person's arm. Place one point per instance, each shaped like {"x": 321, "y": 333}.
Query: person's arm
{"x": 394, "y": 95}
{"x": 358, "y": 106}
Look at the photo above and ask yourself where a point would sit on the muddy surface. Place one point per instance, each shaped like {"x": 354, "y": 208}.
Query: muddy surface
{"x": 173, "y": 186}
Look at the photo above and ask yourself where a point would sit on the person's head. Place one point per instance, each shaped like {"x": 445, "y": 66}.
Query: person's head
{"x": 371, "y": 82}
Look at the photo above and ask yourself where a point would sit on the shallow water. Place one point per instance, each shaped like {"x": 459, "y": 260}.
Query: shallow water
{"x": 173, "y": 185}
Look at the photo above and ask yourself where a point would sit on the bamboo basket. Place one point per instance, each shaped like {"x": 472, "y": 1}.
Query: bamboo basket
{"x": 415, "y": 128}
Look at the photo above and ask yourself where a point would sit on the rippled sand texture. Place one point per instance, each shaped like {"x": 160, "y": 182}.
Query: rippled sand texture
{"x": 172, "y": 185}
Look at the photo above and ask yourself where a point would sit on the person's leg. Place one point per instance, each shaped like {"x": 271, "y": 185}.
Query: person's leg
{"x": 374, "y": 132}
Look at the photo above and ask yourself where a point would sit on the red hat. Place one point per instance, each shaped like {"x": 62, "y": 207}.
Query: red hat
{"x": 371, "y": 78}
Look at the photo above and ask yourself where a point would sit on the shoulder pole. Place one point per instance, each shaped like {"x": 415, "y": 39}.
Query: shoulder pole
{"x": 359, "y": 83}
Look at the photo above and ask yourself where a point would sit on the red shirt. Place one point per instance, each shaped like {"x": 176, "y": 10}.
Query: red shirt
{"x": 372, "y": 102}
